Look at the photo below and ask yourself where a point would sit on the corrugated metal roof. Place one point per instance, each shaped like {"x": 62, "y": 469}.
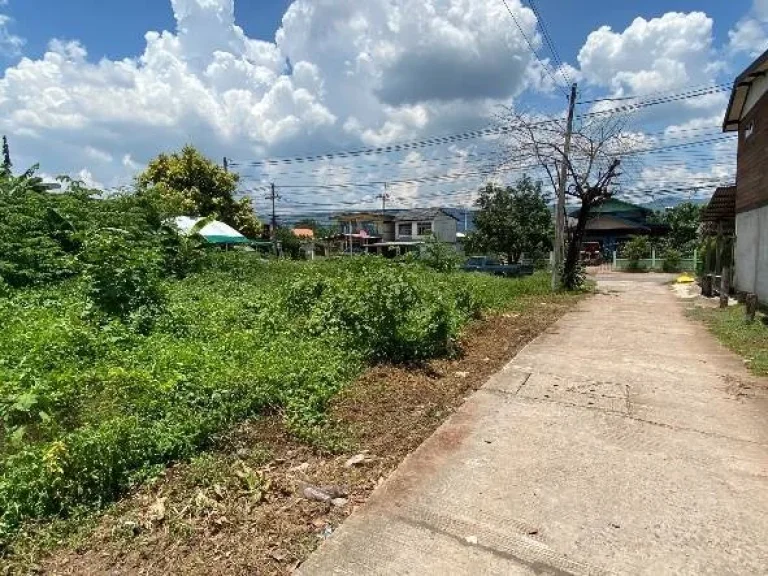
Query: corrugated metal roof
{"x": 610, "y": 222}
{"x": 422, "y": 214}
{"x": 722, "y": 206}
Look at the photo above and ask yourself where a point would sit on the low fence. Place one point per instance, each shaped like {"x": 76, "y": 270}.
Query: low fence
{"x": 657, "y": 264}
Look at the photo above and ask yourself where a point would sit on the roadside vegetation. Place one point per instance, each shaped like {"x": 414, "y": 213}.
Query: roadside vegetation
{"x": 749, "y": 340}
{"x": 93, "y": 406}
{"x": 127, "y": 347}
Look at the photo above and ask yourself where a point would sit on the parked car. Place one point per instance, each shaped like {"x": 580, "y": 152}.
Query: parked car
{"x": 591, "y": 254}
{"x": 493, "y": 266}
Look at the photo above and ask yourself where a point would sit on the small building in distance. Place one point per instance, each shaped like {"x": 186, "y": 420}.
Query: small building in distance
{"x": 421, "y": 223}
{"x": 304, "y": 233}
{"x": 396, "y": 231}
{"x": 368, "y": 225}
{"x": 747, "y": 114}
{"x": 615, "y": 222}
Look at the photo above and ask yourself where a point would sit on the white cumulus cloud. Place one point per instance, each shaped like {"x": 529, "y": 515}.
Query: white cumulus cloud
{"x": 10, "y": 44}
{"x": 340, "y": 73}
{"x": 666, "y": 53}
{"x": 750, "y": 35}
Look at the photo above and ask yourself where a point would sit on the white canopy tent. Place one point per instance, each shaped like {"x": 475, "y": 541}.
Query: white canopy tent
{"x": 215, "y": 232}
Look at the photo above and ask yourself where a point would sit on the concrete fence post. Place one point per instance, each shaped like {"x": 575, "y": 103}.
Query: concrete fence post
{"x": 653, "y": 259}
{"x": 751, "y": 309}
{"x": 725, "y": 287}
{"x": 695, "y": 260}
{"x": 615, "y": 258}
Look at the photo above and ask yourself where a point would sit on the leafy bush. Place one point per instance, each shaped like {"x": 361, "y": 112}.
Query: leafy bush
{"x": 182, "y": 254}
{"x": 123, "y": 278}
{"x": 290, "y": 243}
{"x": 42, "y": 233}
{"x": 439, "y": 256}
{"x": 575, "y": 278}
{"x": 672, "y": 260}
{"x": 88, "y": 410}
{"x": 636, "y": 249}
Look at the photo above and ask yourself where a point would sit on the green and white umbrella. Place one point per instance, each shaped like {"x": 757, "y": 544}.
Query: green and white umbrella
{"x": 214, "y": 232}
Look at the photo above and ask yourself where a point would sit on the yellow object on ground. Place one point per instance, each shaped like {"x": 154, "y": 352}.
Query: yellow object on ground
{"x": 686, "y": 279}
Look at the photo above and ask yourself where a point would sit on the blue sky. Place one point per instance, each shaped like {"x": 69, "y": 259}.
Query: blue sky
{"x": 86, "y": 91}
{"x": 116, "y": 29}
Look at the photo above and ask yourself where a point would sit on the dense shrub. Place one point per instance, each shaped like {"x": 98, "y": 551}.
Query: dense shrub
{"x": 576, "y": 276}
{"x": 122, "y": 278}
{"x": 672, "y": 260}
{"x": 635, "y": 250}
{"x": 439, "y": 256}
{"x": 387, "y": 313}
{"x": 42, "y": 233}
{"x": 90, "y": 409}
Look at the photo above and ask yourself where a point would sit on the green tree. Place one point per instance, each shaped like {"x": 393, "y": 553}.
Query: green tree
{"x": 512, "y": 221}
{"x": 439, "y": 255}
{"x": 636, "y": 249}
{"x": 683, "y": 221}
{"x": 7, "y": 164}
{"x": 27, "y": 182}
{"x": 188, "y": 183}
{"x": 290, "y": 243}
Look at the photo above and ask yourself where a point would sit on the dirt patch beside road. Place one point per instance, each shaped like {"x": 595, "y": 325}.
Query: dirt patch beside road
{"x": 241, "y": 510}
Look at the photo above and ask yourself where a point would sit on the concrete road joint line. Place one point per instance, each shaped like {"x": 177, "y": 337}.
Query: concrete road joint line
{"x": 524, "y": 382}
{"x": 512, "y": 367}
{"x": 599, "y": 391}
{"x": 625, "y": 416}
{"x": 519, "y": 548}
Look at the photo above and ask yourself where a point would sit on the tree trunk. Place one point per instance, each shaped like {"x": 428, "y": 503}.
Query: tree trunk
{"x": 574, "y": 248}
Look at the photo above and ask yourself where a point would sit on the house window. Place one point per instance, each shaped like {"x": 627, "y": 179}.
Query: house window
{"x": 405, "y": 229}
{"x": 424, "y": 228}
{"x": 749, "y": 130}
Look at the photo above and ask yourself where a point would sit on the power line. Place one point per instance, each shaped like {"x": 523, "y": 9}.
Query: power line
{"x": 469, "y": 135}
{"x": 316, "y": 188}
{"x": 532, "y": 49}
{"x": 674, "y": 188}
{"x": 550, "y": 43}
{"x": 661, "y": 99}
{"x": 420, "y": 163}
{"x": 700, "y": 87}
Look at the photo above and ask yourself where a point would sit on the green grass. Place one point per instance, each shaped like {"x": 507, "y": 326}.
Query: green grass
{"x": 748, "y": 340}
{"x": 89, "y": 410}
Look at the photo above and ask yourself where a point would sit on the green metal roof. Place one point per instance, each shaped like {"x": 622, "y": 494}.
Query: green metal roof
{"x": 226, "y": 240}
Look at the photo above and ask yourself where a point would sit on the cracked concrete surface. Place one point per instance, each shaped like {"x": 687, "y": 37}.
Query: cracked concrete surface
{"x": 613, "y": 444}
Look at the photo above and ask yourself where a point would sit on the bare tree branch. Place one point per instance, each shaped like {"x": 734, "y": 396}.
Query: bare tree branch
{"x": 597, "y": 146}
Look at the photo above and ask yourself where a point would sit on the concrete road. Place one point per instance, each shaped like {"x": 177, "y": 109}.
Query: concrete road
{"x": 624, "y": 441}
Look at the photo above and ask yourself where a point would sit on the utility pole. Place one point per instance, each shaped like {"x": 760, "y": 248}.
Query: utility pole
{"x": 560, "y": 221}
{"x": 226, "y": 164}
{"x": 273, "y": 232}
{"x": 384, "y": 197}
